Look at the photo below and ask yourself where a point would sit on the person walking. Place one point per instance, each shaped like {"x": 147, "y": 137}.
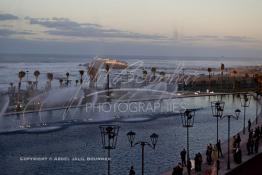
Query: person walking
{"x": 248, "y": 146}
{"x": 220, "y": 154}
{"x": 189, "y": 166}
{"x": 196, "y": 163}
{"x": 180, "y": 169}
{"x": 256, "y": 144}
{"x": 250, "y": 135}
{"x": 200, "y": 161}
{"x": 261, "y": 131}
{"x": 208, "y": 154}
{"x": 238, "y": 140}
{"x": 238, "y": 156}
{"x": 183, "y": 157}
{"x": 174, "y": 172}
{"x": 214, "y": 154}
{"x": 132, "y": 171}
{"x": 249, "y": 125}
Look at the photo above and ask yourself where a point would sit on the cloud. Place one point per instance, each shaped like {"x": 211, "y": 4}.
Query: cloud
{"x": 4, "y": 17}
{"x": 7, "y": 32}
{"x": 200, "y": 37}
{"x": 240, "y": 39}
{"x": 228, "y": 38}
{"x": 67, "y": 27}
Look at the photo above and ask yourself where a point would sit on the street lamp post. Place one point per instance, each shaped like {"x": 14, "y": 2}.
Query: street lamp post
{"x": 217, "y": 111}
{"x": 245, "y": 102}
{"x": 187, "y": 117}
{"x": 109, "y": 135}
{"x": 131, "y": 137}
{"x": 256, "y": 107}
{"x": 237, "y": 113}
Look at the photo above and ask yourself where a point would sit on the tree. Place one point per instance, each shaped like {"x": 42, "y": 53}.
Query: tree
{"x": 67, "y": 78}
{"x": 234, "y": 73}
{"x": 222, "y": 68}
{"x": 21, "y": 75}
{"x": 144, "y": 74}
{"x": 209, "y": 76}
{"x": 209, "y": 73}
{"x": 50, "y": 78}
{"x": 36, "y": 74}
{"x": 153, "y": 70}
{"x": 81, "y": 72}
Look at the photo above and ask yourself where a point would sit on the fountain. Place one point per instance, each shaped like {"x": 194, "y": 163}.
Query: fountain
{"x": 59, "y": 108}
{"x": 4, "y": 103}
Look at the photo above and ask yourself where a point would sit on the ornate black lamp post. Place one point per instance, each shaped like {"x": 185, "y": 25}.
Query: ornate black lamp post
{"x": 131, "y": 137}
{"x": 217, "y": 111}
{"x": 187, "y": 117}
{"x": 237, "y": 113}
{"x": 245, "y": 102}
{"x": 109, "y": 135}
{"x": 256, "y": 107}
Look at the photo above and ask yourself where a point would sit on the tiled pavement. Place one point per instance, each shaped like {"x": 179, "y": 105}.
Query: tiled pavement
{"x": 211, "y": 169}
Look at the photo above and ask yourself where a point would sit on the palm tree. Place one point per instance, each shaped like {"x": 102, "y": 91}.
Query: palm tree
{"x": 209, "y": 73}
{"x": 153, "y": 70}
{"x": 144, "y": 74}
{"x": 21, "y": 75}
{"x": 222, "y": 68}
{"x": 50, "y": 78}
{"x": 36, "y": 74}
{"x": 234, "y": 73}
{"x": 81, "y": 72}
{"x": 67, "y": 78}
{"x": 209, "y": 76}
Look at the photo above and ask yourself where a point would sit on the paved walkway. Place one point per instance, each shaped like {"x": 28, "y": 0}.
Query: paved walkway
{"x": 211, "y": 169}
{"x": 250, "y": 167}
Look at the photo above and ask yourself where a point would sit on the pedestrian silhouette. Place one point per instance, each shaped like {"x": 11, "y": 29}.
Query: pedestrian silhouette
{"x": 220, "y": 154}
{"x": 189, "y": 166}
{"x": 249, "y": 125}
{"x": 132, "y": 171}
{"x": 183, "y": 157}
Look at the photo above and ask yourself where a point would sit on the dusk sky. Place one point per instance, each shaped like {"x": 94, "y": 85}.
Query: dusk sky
{"x": 132, "y": 27}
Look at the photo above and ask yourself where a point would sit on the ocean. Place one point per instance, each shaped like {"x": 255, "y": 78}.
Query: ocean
{"x": 64, "y": 151}
{"x": 11, "y": 64}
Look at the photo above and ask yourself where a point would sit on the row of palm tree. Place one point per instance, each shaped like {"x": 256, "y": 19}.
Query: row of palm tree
{"x": 50, "y": 76}
{"x": 153, "y": 70}
{"x": 222, "y": 69}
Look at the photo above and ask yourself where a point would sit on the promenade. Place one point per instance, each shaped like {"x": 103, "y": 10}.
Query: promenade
{"x": 211, "y": 169}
